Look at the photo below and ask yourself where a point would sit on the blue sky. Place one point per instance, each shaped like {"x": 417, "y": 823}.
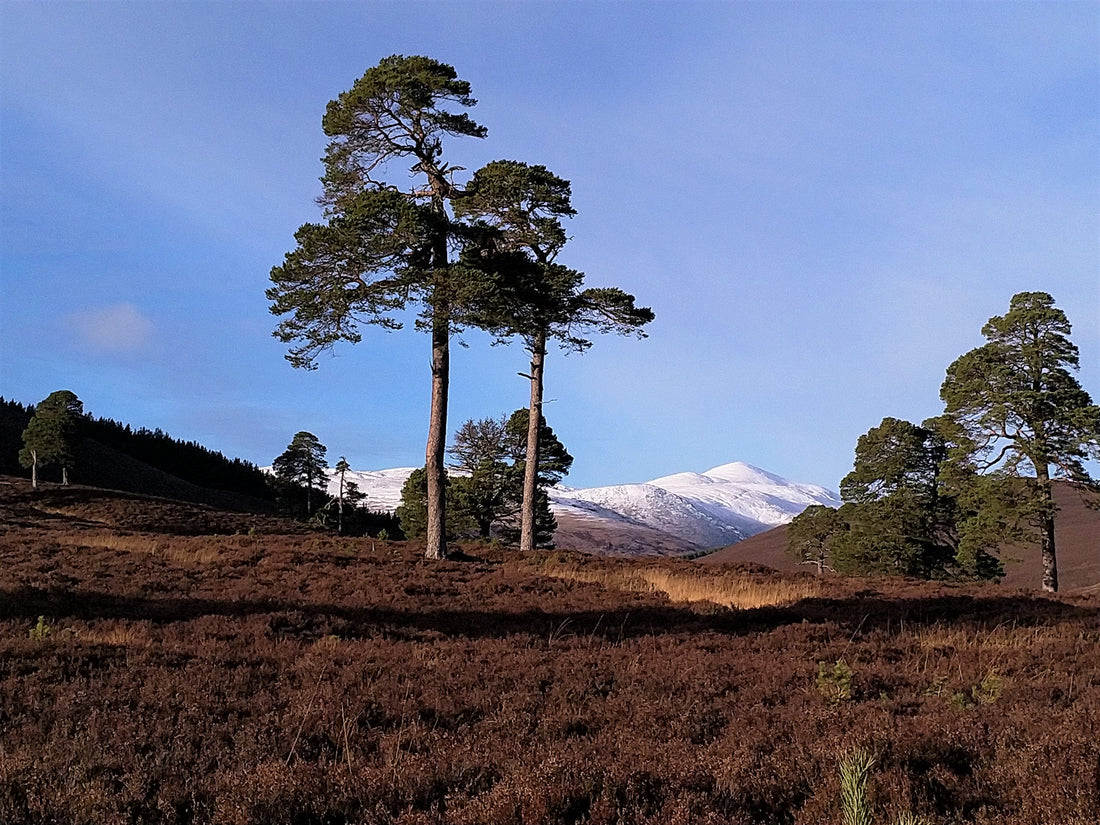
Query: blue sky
{"x": 822, "y": 202}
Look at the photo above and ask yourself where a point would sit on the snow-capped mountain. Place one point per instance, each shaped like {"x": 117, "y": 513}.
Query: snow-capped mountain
{"x": 711, "y": 509}
{"x": 673, "y": 514}
{"x": 382, "y": 487}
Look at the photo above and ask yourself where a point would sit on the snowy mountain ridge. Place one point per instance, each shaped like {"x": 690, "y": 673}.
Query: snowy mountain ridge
{"x": 695, "y": 510}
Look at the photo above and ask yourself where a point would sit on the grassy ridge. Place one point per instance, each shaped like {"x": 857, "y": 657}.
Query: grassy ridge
{"x": 176, "y": 675}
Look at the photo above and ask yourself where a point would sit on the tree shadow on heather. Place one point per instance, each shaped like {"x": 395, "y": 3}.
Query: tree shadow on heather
{"x": 307, "y": 621}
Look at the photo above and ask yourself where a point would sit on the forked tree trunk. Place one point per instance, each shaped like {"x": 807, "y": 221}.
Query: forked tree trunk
{"x": 434, "y": 453}
{"x": 1046, "y": 538}
{"x": 64, "y": 476}
{"x": 34, "y": 469}
{"x": 531, "y": 468}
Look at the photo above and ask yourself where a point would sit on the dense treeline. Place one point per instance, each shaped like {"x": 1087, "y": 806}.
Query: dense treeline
{"x": 187, "y": 460}
{"x": 14, "y": 418}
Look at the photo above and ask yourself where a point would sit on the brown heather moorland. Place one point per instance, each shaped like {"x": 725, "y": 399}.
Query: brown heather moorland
{"x": 193, "y": 666}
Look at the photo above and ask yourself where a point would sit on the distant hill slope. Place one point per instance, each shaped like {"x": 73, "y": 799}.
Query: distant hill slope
{"x": 103, "y": 466}
{"x": 112, "y": 455}
{"x": 80, "y": 507}
{"x": 1077, "y": 533}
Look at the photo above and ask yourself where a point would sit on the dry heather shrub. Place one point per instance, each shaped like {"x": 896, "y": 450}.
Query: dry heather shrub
{"x": 175, "y": 549}
{"x": 729, "y": 589}
{"x": 1001, "y": 637}
{"x": 117, "y": 634}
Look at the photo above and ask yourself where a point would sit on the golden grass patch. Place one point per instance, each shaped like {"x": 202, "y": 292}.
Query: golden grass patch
{"x": 117, "y": 635}
{"x": 731, "y": 589}
{"x": 1001, "y": 637}
{"x": 178, "y": 550}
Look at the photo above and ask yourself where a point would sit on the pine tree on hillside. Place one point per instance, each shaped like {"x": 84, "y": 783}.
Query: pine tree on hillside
{"x": 52, "y": 435}
{"x": 1022, "y": 419}
{"x": 303, "y": 464}
{"x": 348, "y": 493}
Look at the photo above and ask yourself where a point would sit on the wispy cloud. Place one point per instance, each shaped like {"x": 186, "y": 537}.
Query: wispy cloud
{"x": 117, "y": 329}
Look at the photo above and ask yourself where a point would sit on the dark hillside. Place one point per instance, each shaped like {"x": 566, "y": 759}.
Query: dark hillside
{"x": 104, "y": 466}
{"x": 80, "y": 507}
{"x": 143, "y": 461}
{"x": 1077, "y": 532}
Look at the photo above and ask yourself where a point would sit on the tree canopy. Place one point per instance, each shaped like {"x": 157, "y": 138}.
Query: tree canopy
{"x": 52, "y": 435}
{"x": 485, "y": 489}
{"x": 302, "y": 465}
{"x": 941, "y": 499}
{"x": 1022, "y": 419}
{"x": 517, "y": 210}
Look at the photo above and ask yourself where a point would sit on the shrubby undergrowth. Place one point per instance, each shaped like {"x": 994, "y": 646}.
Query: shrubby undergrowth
{"x": 308, "y": 678}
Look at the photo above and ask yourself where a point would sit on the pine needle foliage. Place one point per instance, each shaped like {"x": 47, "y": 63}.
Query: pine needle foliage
{"x": 855, "y": 772}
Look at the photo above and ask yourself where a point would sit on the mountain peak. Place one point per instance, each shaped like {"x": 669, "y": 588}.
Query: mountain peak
{"x": 742, "y": 473}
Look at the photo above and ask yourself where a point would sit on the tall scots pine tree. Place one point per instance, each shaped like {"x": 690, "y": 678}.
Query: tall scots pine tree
{"x": 1024, "y": 419}
{"x": 519, "y": 207}
{"x": 388, "y": 235}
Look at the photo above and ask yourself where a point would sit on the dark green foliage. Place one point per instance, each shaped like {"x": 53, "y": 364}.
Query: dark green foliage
{"x": 902, "y": 511}
{"x": 301, "y": 468}
{"x": 516, "y": 238}
{"x": 1021, "y": 414}
{"x": 554, "y": 460}
{"x": 485, "y": 492}
{"x": 187, "y": 460}
{"x": 412, "y": 514}
{"x": 356, "y": 269}
{"x": 901, "y": 515}
{"x": 519, "y": 208}
{"x": 14, "y": 418}
{"x": 395, "y": 110}
{"x": 486, "y": 489}
{"x": 812, "y": 533}
{"x": 1017, "y": 398}
{"x": 53, "y": 434}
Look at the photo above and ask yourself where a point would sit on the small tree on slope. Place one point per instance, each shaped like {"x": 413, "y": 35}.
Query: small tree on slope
{"x": 52, "y": 434}
{"x": 1023, "y": 418}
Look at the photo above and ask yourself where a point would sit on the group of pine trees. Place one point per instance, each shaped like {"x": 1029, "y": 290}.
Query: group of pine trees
{"x": 401, "y": 230}
{"x": 300, "y": 476}
{"x": 52, "y": 436}
{"x": 937, "y": 500}
{"x": 485, "y": 488}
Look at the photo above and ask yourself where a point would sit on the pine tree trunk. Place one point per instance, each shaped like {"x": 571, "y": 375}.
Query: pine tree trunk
{"x": 531, "y": 468}
{"x": 1050, "y": 558}
{"x": 64, "y": 476}
{"x": 34, "y": 469}
{"x": 434, "y": 453}
{"x": 340, "y": 508}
